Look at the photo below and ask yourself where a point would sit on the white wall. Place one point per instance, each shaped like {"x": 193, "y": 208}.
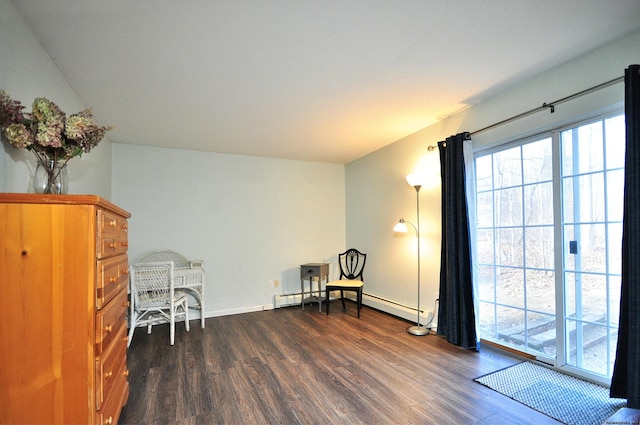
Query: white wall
{"x": 26, "y": 72}
{"x": 377, "y": 194}
{"x": 250, "y": 219}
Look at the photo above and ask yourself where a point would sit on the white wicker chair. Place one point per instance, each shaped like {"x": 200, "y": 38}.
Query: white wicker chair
{"x": 191, "y": 272}
{"x": 153, "y": 297}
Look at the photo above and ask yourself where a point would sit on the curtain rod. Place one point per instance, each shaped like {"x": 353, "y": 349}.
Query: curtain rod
{"x": 550, "y": 105}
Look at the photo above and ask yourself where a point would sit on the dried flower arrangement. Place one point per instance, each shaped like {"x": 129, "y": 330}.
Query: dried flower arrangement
{"x": 47, "y": 131}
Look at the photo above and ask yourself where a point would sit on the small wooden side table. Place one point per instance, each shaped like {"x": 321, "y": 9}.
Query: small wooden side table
{"x": 309, "y": 272}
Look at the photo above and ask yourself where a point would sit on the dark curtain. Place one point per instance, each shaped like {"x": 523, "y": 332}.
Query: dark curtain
{"x": 456, "y": 316}
{"x": 625, "y": 382}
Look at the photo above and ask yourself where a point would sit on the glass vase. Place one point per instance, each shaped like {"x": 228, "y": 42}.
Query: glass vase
{"x": 50, "y": 177}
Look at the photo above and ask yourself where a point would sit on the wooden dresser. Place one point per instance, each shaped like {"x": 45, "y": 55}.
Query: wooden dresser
{"x": 63, "y": 309}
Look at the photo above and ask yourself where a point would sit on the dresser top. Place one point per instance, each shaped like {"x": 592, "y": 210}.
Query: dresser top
{"x": 32, "y": 198}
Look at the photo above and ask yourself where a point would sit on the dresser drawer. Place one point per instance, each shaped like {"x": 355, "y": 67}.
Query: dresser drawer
{"x": 110, "y": 245}
{"x": 111, "y": 367}
{"x": 113, "y": 276}
{"x": 109, "y": 320}
{"x": 111, "y": 408}
{"x": 111, "y": 224}
{"x": 113, "y": 234}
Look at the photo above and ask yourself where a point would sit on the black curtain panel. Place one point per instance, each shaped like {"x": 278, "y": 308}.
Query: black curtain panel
{"x": 625, "y": 382}
{"x": 456, "y": 315}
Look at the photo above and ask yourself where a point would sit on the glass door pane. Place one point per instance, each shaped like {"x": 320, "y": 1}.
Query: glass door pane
{"x": 592, "y": 187}
{"x": 515, "y": 248}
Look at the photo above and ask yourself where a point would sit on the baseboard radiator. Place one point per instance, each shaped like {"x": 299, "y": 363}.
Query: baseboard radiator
{"x": 387, "y": 305}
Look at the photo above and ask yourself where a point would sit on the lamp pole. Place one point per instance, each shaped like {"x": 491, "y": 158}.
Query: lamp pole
{"x": 418, "y": 330}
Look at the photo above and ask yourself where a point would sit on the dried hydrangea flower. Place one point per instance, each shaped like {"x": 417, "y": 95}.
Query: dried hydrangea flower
{"x": 50, "y": 134}
{"x": 18, "y": 136}
{"x": 46, "y": 111}
{"x": 10, "y": 110}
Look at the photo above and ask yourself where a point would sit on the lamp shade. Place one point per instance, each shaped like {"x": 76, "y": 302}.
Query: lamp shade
{"x": 401, "y": 227}
{"x": 416, "y": 179}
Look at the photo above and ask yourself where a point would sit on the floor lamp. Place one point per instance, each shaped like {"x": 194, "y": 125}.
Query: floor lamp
{"x": 414, "y": 180}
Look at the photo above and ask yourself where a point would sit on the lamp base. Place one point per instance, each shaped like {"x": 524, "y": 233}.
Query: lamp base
{"x": 418, "y": 330}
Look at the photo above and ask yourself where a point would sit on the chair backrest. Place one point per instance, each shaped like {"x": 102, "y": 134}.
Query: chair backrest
{"x": 179, "y": 260}
{"x": 152, "y": 284}
{"x": 351, "y": 264}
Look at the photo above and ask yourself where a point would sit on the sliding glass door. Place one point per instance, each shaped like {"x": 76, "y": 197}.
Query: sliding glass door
{"x": 516, "y": 269}
{"x": 549, "y": 229}
{"x": 592, "y": 198}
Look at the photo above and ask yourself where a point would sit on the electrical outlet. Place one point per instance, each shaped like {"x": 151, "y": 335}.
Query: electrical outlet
{"x": 271, "y": 284}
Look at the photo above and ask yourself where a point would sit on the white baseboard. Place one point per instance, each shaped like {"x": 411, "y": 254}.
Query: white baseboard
{"x": 285, "y": 300}
{"x": 400, "y": 310}
{"x": 240, "y": 310}
{"x": 388, "y": 306}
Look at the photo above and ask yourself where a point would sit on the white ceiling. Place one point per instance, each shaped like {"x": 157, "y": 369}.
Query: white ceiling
{"x": 317, "y": 80}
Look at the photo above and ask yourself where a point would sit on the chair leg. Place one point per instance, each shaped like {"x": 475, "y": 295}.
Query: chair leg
{"x": 131, "y": 331}
{"x": 186, "y": 315}
{"x": 344, "y": 307}
{"x": 172, "y": 327}
{"x": 327, "y": 299}
{"x": 359, "y": 301}
{"x": 132, "y": 320}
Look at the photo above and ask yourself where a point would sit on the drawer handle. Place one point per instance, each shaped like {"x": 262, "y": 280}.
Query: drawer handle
{"x": 113, "y": 279}
{"x": 109, "y": 421}
{"x": 108, "y": 375}
{"x": 112, "y": 223}
{"x": 309, "y": 271}
{"x": 125, "y": 244}
{"x": 125, "y": 272}
{"x": 108, "y": 328}
{"x": 112, "y": 245}
{"x": 126, "y": 373}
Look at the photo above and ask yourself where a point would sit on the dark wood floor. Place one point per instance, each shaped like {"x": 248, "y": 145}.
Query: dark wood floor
{"x": 288, "y": 366}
